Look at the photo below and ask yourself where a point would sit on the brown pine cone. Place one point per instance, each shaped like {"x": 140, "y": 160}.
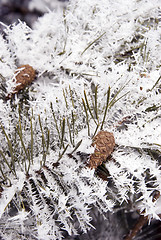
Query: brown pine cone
{"x": 23, "y": 77}
{"x": 104, "y": 143}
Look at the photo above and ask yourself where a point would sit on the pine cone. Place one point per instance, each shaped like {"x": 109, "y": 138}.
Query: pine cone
{"x": 104, "y": 143}
{"x": 23, "y": 77}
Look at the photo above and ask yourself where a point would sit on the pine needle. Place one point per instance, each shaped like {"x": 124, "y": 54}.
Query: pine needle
{"x": 107, "y": 105}
{"x": 5, "y": 160}
{"x": 32, "y": 140}
{"x": 10, "y": 149}
{"x": 155, "y": 83}
{"x": 51, "y": 106}
{"x": 90, "y": 44}
{"x": 44, "y": 145}
{"x": 77, "y": 146}
{"x": 65, "y": 149}
{"x": 87, "y": 103}
{"x": 62, "y": 133}
{"x": 19, "y": 131}
{"x": 87, "y": 120}
{"x": 95, "y": 98}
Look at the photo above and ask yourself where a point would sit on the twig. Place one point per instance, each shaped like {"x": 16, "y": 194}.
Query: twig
{"x": 141, "y": 221}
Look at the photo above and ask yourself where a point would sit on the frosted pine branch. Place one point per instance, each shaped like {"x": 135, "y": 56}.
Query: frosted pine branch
{"x": 98, "y": 69}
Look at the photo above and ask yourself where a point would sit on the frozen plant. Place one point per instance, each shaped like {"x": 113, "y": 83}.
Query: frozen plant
{"x": 97, "y": 69}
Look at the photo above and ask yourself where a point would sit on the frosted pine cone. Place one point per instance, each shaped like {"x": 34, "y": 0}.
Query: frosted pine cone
{"x": 25, "y": 74}
{"x": 104, "y": 143}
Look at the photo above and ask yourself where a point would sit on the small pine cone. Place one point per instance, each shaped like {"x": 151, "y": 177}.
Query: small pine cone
{"x": 104, "y": 143}
{"x": 23, "y": 77}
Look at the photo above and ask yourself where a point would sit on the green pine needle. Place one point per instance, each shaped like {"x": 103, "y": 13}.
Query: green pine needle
{"x": 87, "y": 118}
{"x": 10, "y": 149}
{"x": 62, "y": 133}
{"x": 77, "y": 146}
{"x": 88, "y": 107}
{"x": 90, "y": 44}
{"x": 106, "y": 107}
{"x": 65, "y": 149}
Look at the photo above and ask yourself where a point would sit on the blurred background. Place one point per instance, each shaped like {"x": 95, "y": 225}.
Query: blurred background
{"x": 11, "y": 11}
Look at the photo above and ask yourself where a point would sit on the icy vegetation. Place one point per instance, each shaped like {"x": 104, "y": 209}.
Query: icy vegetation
{"x": 98, "y": 68}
